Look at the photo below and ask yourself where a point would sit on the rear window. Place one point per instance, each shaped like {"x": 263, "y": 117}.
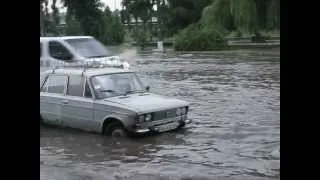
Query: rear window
{"x": 55, "y": 84}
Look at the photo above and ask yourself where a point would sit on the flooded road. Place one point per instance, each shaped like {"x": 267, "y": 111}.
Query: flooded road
{"x": 235, "y": 108}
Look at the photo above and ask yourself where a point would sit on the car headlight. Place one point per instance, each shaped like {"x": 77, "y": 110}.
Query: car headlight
{"x": 141, "y": 118}
{"x": 184, "y": 110}
{"x": 148, "y": 117}
{"x": 144, "y": 118}
{"x": 178, "y": 112}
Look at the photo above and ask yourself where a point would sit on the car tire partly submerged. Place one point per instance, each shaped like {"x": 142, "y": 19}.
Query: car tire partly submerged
{"x": 116, "y": 130}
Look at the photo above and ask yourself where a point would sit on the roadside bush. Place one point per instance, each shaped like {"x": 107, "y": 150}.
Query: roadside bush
{"x": 197, "y": 38}
{"x": 258, "y": 38}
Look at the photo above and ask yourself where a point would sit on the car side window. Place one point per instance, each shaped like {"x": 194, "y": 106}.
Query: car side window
{"x": 59, "y": 51}
{"x": 75, "y": 85}
{"x": 55, "y": 84}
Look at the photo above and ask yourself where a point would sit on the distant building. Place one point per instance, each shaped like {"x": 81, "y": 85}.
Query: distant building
{"x": 133, "y": 22}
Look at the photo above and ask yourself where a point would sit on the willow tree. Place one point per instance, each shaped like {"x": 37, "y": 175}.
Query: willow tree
{"x": 232, "y": 14}
{"x": 247, "y": 16}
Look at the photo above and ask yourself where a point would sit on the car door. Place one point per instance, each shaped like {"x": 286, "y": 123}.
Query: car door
{"x": 77, "y": 111}
{"x": 52, "y": 95}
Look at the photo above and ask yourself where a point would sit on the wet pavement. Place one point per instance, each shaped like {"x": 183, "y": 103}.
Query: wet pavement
{"x": 235, "y": 108}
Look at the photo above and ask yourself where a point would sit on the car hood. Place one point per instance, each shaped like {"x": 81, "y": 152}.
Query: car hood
{"x": 147, "y": 102}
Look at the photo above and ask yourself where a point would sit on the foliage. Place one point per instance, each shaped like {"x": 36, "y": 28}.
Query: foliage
{"x": 223, "y": 16}
{"x": 88, "y": 14}
{"x": 47, "y": 26}
{"x": 273, "y": 15}
{"x": 84, "y": 17}
{"x": 140, "y": 10}
{"x": 195, "y": 37}
{"x": 172, "y": 15}
{"x": 232, "y": 15}
{"x": 209, "y": 20}
{"x": 73, "y": 27}
{"x": 111, "y": 30}
{"x": 139, "y": 36}
{"x": 181, "y": 13}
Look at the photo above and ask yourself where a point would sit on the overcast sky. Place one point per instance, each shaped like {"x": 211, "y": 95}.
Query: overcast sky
{"x": 113, "y": 4}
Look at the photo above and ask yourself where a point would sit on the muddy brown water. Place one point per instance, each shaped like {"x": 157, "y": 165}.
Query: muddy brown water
{"x": 235, "y": 108}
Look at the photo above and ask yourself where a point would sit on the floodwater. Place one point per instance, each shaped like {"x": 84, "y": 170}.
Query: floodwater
{"x": 235, "y": 108}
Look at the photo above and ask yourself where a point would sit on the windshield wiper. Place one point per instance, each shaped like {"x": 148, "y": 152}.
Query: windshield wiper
{"x": 107, "y": 90}
{"x": 99, "y": 56}
{"x": 132, "y": 91}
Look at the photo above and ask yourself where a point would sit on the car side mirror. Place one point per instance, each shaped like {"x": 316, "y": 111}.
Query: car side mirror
{"x": 147, "y": 88}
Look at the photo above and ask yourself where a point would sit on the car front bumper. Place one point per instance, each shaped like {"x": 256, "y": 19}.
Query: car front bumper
{"x": 162, "y": 126}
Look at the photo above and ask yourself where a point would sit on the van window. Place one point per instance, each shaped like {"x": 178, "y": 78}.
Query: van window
{"x": 88, "y": 47}
{"x": 58, "y": 51}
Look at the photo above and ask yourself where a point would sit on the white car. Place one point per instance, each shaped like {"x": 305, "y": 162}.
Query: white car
{"x": 110, "y": 101}
{"x": 76, "y": 50}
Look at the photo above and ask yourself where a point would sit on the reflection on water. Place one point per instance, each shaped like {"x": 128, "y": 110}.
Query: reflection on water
{"x": 235, "y": 107}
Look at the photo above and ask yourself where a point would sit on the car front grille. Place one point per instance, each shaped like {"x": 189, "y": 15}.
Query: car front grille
{"x": 164, "y": 114}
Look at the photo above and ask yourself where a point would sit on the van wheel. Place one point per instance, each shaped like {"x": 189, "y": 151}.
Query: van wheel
{"x": 116, "y": 130}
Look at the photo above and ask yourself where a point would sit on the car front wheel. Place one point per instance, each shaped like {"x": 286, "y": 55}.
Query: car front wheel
{"x": 115, "y": 130}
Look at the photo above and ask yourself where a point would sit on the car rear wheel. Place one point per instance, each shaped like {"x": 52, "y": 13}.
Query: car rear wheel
{"x": 116, "y": 130}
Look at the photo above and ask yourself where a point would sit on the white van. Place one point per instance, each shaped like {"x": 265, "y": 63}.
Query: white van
{"x": 75, "y": 50}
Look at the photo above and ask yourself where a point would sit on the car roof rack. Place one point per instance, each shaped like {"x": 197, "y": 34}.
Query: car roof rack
{"x": 93, "y": 65}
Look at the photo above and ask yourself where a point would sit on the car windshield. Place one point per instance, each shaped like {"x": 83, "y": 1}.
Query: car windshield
{"x": 119, "y": 84}
{"x": 88, "y": 47}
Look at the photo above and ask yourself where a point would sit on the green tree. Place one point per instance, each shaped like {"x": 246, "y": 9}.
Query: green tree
{"x": 230, "y": 14}
{"x": 73, "y": 26}
{"x": 47, "y": 24}
{"x": 139, "y": 9}
{"x": 198, "y": 38}
{"x": 87, "y": 13}
{"x": 111, "y": 30}
{"x": 248, "y": 16}
{"x": 42, "y": 31}
{"x": 273, "y": 14}
{"x": 180, "y": 13}
{"x": 86, "y": 17}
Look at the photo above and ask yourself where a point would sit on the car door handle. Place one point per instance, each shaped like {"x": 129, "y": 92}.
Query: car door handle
{"x": 65, "y": 102}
